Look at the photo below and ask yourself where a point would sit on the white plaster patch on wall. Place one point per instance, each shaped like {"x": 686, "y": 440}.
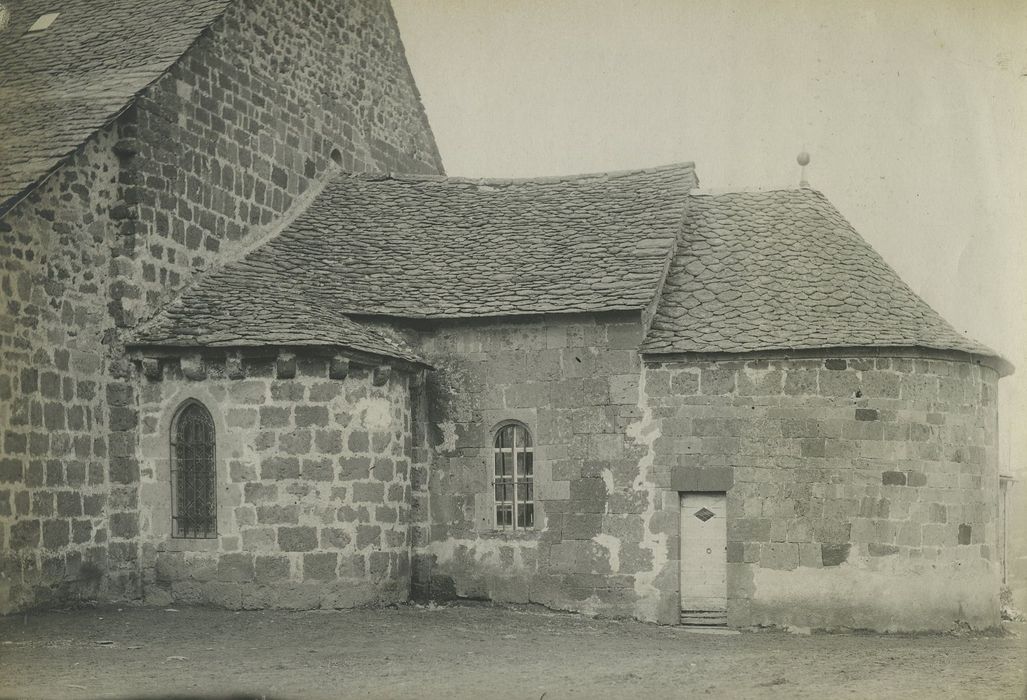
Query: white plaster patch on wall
{"x": 645, "y": 431}
{"x": 608, "y": 480}
{"x": 448, "y": 430}
{"x": 906, "y": 599}
{"x": 591, "y": 606}
{"x": 375, "y": 413}
{"x": 485, "y": 552}
{"x": 612, "y": 546}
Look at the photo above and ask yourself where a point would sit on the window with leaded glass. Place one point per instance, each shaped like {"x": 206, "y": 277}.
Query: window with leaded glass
{"x": 514, "y": 478}
{"x": 193, "y": 473}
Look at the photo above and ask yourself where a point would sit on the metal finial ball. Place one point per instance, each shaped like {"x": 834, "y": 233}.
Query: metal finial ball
{"x": 802, "y": 159}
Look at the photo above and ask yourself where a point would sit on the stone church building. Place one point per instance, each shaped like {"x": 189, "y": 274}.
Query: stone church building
{"x": 260, "y": 351}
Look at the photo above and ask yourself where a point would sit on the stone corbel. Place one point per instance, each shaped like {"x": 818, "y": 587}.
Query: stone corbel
{"x": 193, "y": 368}
{"x": 151, "y": 369}
{"x": 233, "y": 366}
{"x": 381, "y": 375}
{"x": 285, "y": 366}
{"x": 338, "y": 368}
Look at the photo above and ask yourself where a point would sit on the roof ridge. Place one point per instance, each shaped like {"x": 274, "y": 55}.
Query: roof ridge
{"x": 682, "y": 166}
{"x": 719, "y": 191}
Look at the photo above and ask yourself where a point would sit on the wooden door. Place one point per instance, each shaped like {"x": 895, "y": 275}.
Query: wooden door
{"x": 704, "y": 558}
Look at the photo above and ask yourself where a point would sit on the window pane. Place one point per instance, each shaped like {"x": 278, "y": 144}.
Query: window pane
{"x": 504, "y": 438}
{"x": 503, "y": 515}
{"x": 194, "y": 477}
{"x": 504, "y": 491}
{"x": 525, "y": 463}
{"x": 502, "y": 463}
{"x": 523, "y": 437}
{"x": 525, "y": 515}
{"x": 524, "y": 491}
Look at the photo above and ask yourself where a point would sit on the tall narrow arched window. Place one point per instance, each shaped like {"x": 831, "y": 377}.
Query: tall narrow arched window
{"x": 193, "y": 473}
{"x": 515, "y": 493}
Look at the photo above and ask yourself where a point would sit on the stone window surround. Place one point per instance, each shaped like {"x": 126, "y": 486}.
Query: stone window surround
{"x": 161, "y": 527}
{"x": 496, "y": 419}
{"x": 173, "y": 439}
{"x": 531, "y": 446}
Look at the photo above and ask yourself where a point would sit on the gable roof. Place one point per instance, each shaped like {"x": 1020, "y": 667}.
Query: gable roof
{"x": 60, "y": 85}
{"x": 784, "y": 270}
{"x": 437, "y": 247}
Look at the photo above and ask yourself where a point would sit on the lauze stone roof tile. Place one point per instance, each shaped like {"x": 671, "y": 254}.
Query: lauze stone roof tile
{"x": 436, "y": 247}
{"x": 61, "y": 84}
{"x": 784, "y": 270}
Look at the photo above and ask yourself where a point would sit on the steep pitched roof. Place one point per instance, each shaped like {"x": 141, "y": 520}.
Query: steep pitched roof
{"x": 59, "y": 85}
{"x": 282, "y": 318}
{"x": 436, "y": 247}
{"x": 784, "y": 270}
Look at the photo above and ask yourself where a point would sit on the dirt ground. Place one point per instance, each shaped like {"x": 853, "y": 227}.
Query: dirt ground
{"x": 479, "y": 651}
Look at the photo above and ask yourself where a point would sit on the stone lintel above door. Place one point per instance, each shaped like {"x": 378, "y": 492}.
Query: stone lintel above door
{"x": 701, "y": 479}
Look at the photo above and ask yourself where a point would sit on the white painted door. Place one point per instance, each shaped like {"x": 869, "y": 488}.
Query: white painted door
{"x": 703, "y": 556}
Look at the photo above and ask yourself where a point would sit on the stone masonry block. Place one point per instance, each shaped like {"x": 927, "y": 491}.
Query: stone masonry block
{"x": 893, "y": 478}
{"x": 582, "y": 526}
{"x": 297, "y": 539}
{"x": 779, "y": 555}
{"x": 271, "y": 569}
{"x": 312, "y": 416}
{"x": 368, "y": 492}
{"x": 275, "y": 514}
{"x": 320, "y": 566}
{"x": 354, "y": 468}
{"x": 335, "y": 538}
{"x": 56, "y": 534}
{"x": 235, "y": 567}
{"x": 624, "y": 389}
{"x": 359, "y": 441}
{"x": 25, "y": 534}
{"x": 368, "y": 536}
{"x": 749, "y": 529}
{"x": 319, "y": 469}
{"x": 717, "y": 381}
{"x": 124, "y": 525}
{"x": 834, "y": 554}
{"x": 280, "y": 468}
{"x": 832, "y": 531}
{"x": 916, "y": 479}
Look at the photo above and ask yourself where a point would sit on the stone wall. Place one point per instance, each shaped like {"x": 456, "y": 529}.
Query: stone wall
{"x": 573, "y": 382}
{"x": 861, "y": 491}
{"x": 54, "y": 487}
{"x": 267, "y": 103}
{"x": 313, "y": 485}
{"x": 864, "y": 488}
{"x": 237, "y": 134}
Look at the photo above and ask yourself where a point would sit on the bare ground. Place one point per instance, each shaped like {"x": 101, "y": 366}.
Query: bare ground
{"x": 477, "y": 651}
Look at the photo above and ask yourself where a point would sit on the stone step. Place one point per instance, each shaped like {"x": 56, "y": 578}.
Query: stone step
{"x": 704, "y": 618}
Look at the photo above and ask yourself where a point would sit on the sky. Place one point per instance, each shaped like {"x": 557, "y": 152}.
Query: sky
{"x": 914, "y": 114}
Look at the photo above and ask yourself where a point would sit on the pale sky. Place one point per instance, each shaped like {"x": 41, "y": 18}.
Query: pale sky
{"x": 914, "y": 114}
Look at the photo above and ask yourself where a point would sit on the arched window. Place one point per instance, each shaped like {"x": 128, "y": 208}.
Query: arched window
{"x": 193, "y": 473}
{"x": 515, "y": 493}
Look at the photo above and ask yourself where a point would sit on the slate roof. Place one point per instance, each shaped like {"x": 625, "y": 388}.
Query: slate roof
{"x": 280, "y": 319}
{"x": 59, "y": 85}
{"x": 784, "y": 270}
{"x": 437, "y": 247}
